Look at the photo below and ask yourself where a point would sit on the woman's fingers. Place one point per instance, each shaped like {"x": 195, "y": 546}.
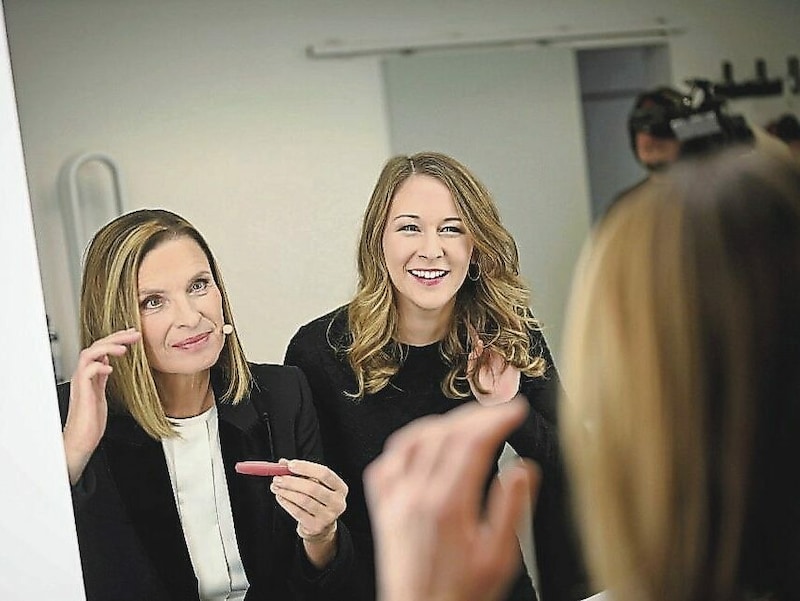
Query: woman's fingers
{"x": 508, "y": 501}
{"x": 475, "y": 342}
{"x": 305, "y": 493}
{"x": 294, "y": 510}
{"x": 97, "y": 354}
{"x": 317, "y": 472}
{"x": 97, "y": 368}
{"x": 428, "y": 485}
{"x": 87, "y": 413}
{"x": 312, "y": 483}
{"x": 115, "y": 344}
{"x": 465, "y": 448}
{"x": 309, "y": 512}
{"x": 315, "y": 496}
{"x": 312, "y": 496}
{"x": 443, "y": 454}
{"x": 499, "y": 380}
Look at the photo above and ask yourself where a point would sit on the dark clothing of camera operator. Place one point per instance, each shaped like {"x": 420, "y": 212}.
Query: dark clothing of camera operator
{"x": 653, "y": 142}
{"x": 787, "y": 129}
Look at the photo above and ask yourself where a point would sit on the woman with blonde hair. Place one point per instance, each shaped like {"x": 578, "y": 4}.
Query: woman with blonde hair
{"x": 162, "y": 406}
{"x": 683, "y": 420}
{"x": 682, "y": 424}
{"x": 441, "y": 318}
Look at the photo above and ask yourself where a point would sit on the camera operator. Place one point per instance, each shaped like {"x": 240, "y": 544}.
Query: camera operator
{"x": 653, "y": 142}
{"x": 665, "y": 126}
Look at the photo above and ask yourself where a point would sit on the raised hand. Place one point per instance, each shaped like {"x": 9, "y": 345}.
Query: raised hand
{"x": 315, "y": 496}
{"x": 88, "y": 407}
{"x": 494, "y": 375}
{"x": 434, "y": 541}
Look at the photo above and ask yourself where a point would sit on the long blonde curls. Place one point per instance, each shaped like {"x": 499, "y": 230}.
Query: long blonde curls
{"x": 109, "y": 302}
{"x": 496, "y": 306}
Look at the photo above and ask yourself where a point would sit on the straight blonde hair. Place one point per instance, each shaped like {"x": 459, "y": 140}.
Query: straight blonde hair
{"x": 109, "y": 302}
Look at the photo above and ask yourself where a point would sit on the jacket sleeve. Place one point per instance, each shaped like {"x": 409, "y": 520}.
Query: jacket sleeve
{"x": 329, "y": 582}
{"x": 294, "y": 354}
{"x": 562, "y": 573}
{"x": 85, "y": 487}
{"x": 309, "y": 443}
{"x": 537, "y": 437}
{"x": 302, "y": 352}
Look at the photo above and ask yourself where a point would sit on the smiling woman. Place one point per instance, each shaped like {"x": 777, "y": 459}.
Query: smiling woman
{"x": 161, "y": 407}
{"x": 441, "y": 318}
{"x": 180, "y": 310}
{"x": 428, "y": 251}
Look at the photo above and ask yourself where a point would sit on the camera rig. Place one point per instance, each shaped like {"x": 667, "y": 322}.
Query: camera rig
{"x": 699, "y": 120}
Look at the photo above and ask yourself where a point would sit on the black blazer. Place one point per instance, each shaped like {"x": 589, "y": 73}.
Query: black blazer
{"x": 129, "y": 532}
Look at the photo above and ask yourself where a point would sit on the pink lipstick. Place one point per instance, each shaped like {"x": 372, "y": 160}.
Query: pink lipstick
{"x": 192, "y": 342}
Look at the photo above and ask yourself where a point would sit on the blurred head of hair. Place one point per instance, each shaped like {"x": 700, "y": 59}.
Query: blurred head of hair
{"x": 681, "y": 421}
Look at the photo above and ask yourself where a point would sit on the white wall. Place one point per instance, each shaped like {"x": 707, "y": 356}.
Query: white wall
{"x": 610, "y": 81}
{"x": 491, "y": 109}
{"x": 38, "y": 547}
{"x": 212, "y": 109}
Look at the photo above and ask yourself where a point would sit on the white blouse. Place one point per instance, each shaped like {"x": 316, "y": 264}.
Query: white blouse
{"x": 198, "y": 481}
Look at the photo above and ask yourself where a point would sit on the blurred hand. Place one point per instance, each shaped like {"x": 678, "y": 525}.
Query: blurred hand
{"x": 433, "y": 539}
{"x": 315, "y": 496}
{"x": 499, "y": 379}
{"x": 88, "y": 406}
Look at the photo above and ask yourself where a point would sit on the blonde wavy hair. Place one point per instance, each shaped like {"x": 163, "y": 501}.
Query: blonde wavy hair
{"x": 110, "y": 302}
{"x": 496, "y": 306}
{"x": 681, "y": 419}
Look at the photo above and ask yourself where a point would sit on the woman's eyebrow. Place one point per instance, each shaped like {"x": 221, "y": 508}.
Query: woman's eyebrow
{"x": 148, "y": 291}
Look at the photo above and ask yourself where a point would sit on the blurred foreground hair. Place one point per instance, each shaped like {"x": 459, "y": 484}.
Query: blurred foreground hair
{"x": 681, "y": 422}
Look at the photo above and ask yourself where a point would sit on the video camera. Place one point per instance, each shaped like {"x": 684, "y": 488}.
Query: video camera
{"x": 698, "y": 120}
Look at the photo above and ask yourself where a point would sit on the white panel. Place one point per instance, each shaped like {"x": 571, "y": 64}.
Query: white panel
{"x": 612, "y": 166}
{"x": 610, "y": 81}
{"x": 513, "y": 117}
{"x": 38, "y": 548}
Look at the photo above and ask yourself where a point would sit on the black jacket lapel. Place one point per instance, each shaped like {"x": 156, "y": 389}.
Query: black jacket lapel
{"x": 139, "y": 469}
{"x": 244, "y": 437}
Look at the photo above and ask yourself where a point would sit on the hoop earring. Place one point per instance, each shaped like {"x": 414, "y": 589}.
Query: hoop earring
{"x": 476, "y": 275}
